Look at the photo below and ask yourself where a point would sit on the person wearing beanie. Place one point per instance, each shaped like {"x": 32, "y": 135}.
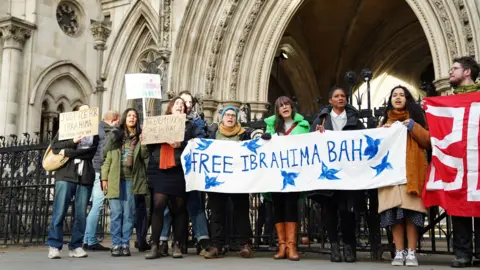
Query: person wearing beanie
{"x": 229, "y": 129}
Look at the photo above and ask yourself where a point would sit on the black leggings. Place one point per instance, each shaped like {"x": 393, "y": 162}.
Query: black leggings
{"x": 285, "y": 207}
{"x": 178, "y": 211}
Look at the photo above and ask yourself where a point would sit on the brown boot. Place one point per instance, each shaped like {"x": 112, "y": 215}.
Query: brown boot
{"x": 291, "y": 233}
{"x": 280, "y": 227}
{"x": 246, "y": 251}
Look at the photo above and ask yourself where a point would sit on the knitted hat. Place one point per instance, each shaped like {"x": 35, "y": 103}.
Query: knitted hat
{"x": 230, "y": 108}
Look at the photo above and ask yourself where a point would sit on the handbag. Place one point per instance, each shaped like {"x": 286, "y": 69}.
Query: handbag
{"x": 51, "y": 161}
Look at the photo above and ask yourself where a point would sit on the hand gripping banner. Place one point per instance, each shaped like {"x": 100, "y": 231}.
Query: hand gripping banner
{"x": 348, "y": 160}
{"x": 453, "y": 181}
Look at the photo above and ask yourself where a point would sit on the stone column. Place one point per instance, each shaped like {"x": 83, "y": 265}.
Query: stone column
{"x": 100, "y": 31}
{"x": 14, "y": 34}
{"x": 443, "y": 86}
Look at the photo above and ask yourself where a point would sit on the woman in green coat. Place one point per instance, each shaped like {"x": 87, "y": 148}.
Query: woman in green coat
{"x": 123, "y": 176}
{"x": 286, "y": 121}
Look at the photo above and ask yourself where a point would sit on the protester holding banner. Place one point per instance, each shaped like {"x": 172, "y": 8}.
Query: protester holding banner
{"x": 195, "y": 203}
{"x": 401, "y": 206}
{"x": 90, "y": 242}
{"x": 166, "y": 176}
{"x": 74, "y": 179}
{"x": 286, "y": 121}
{"x": 229, "y": 129}
{"x": 339, "y": 116}
{"x": 463, "y": 74}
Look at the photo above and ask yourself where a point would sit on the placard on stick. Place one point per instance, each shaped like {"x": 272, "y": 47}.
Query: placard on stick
{"x": 163, "y": 129}
{"x": 79, "y": 123}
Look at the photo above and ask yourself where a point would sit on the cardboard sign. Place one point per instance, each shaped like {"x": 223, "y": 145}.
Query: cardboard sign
{"x": 143, "y": 85}
{"x": 79, "y": 123}
{"x": 164, "y": 128}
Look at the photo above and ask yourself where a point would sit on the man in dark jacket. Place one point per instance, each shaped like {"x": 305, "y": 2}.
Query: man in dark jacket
{"x": 74, "y": 179}
{"x": 90, "y": 242}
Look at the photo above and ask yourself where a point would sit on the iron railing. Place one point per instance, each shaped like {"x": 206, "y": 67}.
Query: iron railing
{"x": 27, "y": 192}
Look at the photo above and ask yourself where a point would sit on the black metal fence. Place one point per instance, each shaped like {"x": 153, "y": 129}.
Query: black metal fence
{"x": 27, "y": 191}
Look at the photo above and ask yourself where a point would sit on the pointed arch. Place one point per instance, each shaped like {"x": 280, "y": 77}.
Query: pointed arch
{"x": 56, "y": 71}
{"x": 136, "y": 32}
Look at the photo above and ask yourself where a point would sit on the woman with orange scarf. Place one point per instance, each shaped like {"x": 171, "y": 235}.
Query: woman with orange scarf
{"x": 401, "y": 206}
{"x": 166, "y": 177}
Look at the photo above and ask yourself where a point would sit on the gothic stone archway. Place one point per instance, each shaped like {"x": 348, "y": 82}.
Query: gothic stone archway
{"x": 227, "y": 47}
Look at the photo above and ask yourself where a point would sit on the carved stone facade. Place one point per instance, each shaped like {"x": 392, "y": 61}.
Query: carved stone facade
{"x": 225, "y": 52}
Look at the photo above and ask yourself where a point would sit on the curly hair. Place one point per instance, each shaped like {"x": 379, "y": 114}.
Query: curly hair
{"x": 414, "y": 110}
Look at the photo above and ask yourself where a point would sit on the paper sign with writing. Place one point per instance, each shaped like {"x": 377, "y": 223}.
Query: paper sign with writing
{"x": 345, "y": 160}
{"x": 143, "y": 85}
{"x": 79, "y": 123}
{"x": 164, "y": 128}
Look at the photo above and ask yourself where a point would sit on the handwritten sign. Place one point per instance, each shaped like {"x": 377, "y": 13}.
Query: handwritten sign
{"x": 143, "y": 85}
{"x": 79, "y": 123}
{"x": 164, "y": 128}
{"x": 346, "y": 160}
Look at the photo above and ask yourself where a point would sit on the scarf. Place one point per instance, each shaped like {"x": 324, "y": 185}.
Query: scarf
{"x": 167, "y": 156}
{"x": 467, "y": 89}
{"x": 231, "y": 131}
{"x": 133, "y": 143}
{"x": 396, "y": 115}
{"x": 416, "y": 163}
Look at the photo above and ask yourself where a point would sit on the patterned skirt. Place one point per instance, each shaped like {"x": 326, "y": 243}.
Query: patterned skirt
{"x": 397, "y": 215}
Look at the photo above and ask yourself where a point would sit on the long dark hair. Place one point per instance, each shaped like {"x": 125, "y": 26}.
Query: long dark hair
{"x": 414, "y": 110}
{"x": 279, "y": 121}
{"x": 172, "y": 102}
{"x": 122, "y": 128}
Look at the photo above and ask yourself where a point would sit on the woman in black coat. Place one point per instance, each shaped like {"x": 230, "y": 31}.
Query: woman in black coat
{"x": 74, "y": 179}
{"x": 166, "y": 177}
{"x": 339, "y": 116}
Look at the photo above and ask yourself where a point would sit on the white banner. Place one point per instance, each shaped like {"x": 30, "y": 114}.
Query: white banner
{"x": 347, "y": 160}
{"x": 143, "y": 85}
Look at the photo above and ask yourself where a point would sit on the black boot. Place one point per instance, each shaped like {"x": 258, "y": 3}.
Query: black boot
{"x": 153, "y": 253}
{"x": 461, "y": 262}
{"x": 163, "y": 248}
{"x": 349, "y": 253}
{"x": 335, "y": 255}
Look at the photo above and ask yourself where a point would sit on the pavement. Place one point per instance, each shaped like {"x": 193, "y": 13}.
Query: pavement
{"x": 16, "y": 258}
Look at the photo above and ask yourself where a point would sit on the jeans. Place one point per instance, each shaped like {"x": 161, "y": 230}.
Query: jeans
{"x": 196, "y": 211}
{"x": 122, "y": 211}
{"x": 64, "y": 192}
{"x": 92, "y": 218}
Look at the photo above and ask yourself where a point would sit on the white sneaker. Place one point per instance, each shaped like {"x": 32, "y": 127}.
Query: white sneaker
{"x": 53, "y": 253}
{"x": 399, "y": 259}
{"x": 411, "y": 259}
{"x": 77, "y": 253}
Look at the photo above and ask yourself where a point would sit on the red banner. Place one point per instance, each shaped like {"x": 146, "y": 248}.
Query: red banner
{"x": 453, "y": 179}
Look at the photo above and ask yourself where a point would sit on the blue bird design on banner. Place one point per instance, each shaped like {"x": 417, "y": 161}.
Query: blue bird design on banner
{"x": 252, "y": 145}
{"x": 372, "y": 147}
{"x": 211, "y": 182}
{"x": 289, "y": 178}
{"x": 188, "y": 163}
{"x": 384, "y": 165}
{"x": 204, "y": 144}
{"x": 329, "y": 174}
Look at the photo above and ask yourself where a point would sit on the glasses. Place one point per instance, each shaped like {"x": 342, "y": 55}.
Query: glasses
{"x": 454, "y": 68}
{"x": 230, "y": 115}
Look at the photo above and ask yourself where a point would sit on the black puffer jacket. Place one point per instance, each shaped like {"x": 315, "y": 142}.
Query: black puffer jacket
{"x": 68, "y": 172}
{"x": 353, "y": 119}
